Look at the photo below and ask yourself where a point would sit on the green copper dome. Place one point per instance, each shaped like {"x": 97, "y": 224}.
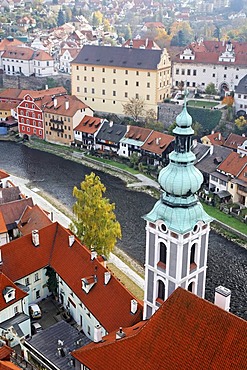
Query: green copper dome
{"x": 179, "y": 206}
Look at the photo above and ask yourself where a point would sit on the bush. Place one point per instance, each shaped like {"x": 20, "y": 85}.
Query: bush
{"x": 208, "y": 121}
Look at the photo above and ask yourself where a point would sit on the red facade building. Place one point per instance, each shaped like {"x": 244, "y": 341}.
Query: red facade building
{"x": 30, "y": 117}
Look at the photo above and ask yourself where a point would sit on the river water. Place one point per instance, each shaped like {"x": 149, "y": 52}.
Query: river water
{"x": 227, "y": 262}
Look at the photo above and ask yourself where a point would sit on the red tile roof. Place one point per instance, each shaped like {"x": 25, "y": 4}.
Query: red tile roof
{"x": 208, "y": 52}
{"x": 19, "y": 94}
{"x": 110, "y": 303}
{"x": 234, "y": 140}
{"x": 233, "y": 164}
{"x": 139, "y": 43}
{"x": 4, "y": 283}
{"x": 138, "y": 133}
{"x": 3, "y": 228}
{"x": 5, "y": 43}
{"x": 7, "y": 365}
{"x": 5, "y": 352}
{"x": 187, "y": 332}
{"x": 12, "y": 211}
{"x": 154, "y": 25}
{"x": 157, "y": 142}
{"x": 41, "y": 55}
{"x": 20, "y": 53}
{"x": 89, "y": 125}
{"x": 215, "y": 138}
{"x": 33, "y": 218}
{"x": 3, "y": 174}
{"x": 75, "y": 104}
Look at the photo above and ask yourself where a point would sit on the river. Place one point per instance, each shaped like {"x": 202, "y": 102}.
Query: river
{"x": 227, "y": 262}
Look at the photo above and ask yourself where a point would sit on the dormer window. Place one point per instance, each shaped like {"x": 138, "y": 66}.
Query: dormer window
{"x": 9, "y": 293}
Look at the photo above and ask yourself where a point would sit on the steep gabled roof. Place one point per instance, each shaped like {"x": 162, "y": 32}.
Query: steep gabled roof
{"x": 234, "y": 140}
{"x": 111, "y": 132}
{"x": 9, "y": 194}
{"x": 3, "y": 174}
{"x": 5, "y": 43}
{"x": 4, "y": 283}
{"x": 20, "y": 53}
{"x": 211, "y": 161}
{"x": 42, "y": 55}
{"x": 157, "y": 142}
{"x": 113, "y": 56}
{"x": 138, "y": 133}
{"x": 186, "y": 332}
{"x": 33, "y": 218}
{"x": 12, "y": 211}
{"x": 241, "y": 88}
{"x": 215, "y": 138}
{"x": 109, "y": 303}
{"x": 3, "y": 227}
{"x": 233, "y": 164}
{"x": 141, "y": 43}
{"x": 5, "y": 352}
{"x": 74, "y": 104}
{"x": 88, "y": 125}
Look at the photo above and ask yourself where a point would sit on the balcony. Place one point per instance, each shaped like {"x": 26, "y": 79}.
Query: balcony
{"x": 57, "y": 129}
{"x": 56, "y": 121}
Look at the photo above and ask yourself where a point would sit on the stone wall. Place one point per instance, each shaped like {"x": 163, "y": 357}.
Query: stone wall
{"x": 35, "y": 83}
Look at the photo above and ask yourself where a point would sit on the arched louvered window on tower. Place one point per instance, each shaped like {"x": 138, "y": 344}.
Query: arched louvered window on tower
{"x": 161, "y": 290}
{"x": 193, "y": 252}
{"x": 162, "y": 255}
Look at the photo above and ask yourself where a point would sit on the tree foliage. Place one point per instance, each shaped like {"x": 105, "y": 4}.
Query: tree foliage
{"x": 241, "y": 122}
{"x": 134, "y": 108}
{"x": 228, "y": 100}
{"x": 95, "y": 222}
{"x": 60, "y": 18}
{"x": 210, "y": 89}
{"x": 52, "y": 282}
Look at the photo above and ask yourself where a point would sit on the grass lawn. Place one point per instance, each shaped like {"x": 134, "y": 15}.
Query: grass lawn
{"x": 201, "y": 104}
{"x": 129, "y": 284}
{"x": 226, "y": 219}
{"x": 114, "y": 164}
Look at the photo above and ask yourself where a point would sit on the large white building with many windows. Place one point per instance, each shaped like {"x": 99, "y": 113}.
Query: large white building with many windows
{"x": 204, "y": 62}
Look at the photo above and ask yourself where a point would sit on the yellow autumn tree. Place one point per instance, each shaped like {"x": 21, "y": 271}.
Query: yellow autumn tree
{"x": 241, "y": 122}
{"x": 95, "y": 222}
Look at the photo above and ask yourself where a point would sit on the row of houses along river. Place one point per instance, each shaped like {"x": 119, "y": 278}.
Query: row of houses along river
{"x": 227, "y": 262}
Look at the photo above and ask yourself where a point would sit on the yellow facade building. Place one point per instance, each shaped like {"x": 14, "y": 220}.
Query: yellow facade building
{"x": 107, "y": 77}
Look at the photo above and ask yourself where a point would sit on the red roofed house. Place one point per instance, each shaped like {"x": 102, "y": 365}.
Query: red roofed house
{"x": 30, "y": 111}
{"x": 157, "y": 147}
{"x": 14, "y": 317}
{"x": 33, "y": 218}
{"x": 61, "y": 115}
{"x": 133, "y": 140}
{"x": 18, "y": 60}
{"x": 187, "y": 332}
{"x": 4, "y": 236}
{"x": 91, "y": 294}
{"x": 236, "y": 142}
{"x": 215, "y": 138}
{"x": 4, "y": 178}
{"x": 222, "y": 63}
{"x": 67, "y": 55}
{"x": 235, "y": 166}
{"x": 85, "y": 133}
{"x": 8, "y": 42}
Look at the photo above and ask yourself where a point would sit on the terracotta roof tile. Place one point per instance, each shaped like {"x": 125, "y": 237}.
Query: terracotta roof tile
{"x": 89, "y": 125}
{"x": 3, "y": 227}
{"x": 20, "y": 53}
{"x": 9, "y": 194}
{"x": 6, "y": 282}
{"x": 7, "y": 365}
{"x": 3, "y": 174}
{"x": 234, "y": 140}
{"x": 12, "y": 211}
{"x": 233, "y": 164}
{"x": 187, "y": 333}
{"x": 33, "y": 218}
{"x": 138, "y": 133}
{"x": 215, "y": 139}
{"x": 157, "y": 142}
{"x": 110, "y": 303}
{"x": 5, "y": 352}
{"x": 5, "y": 43}
{"x": 74, "y": 104}
{"x": 42, "y": 55}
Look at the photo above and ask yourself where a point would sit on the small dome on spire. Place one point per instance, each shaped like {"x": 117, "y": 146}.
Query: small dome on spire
{"x": 184, "y": 119}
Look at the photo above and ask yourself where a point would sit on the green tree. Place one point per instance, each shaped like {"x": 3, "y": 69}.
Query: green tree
{"x": 68, "y": 14}
{"x": 216, "y": 33}
{"x": 241, "y": 122}
{"x": 52, "y": 282}
{"x": 127, "y": 33}
{"x": 60, "y": 18}
{"x": 97, "y": 18}
{"x": 134, "y": 108}
{"x": 210, "y": 89}
{"x": 134, "y": 160}
{"x": 198, "y": 129}
{"x": 95, "y": 222}
{"x": 171, "y": 128}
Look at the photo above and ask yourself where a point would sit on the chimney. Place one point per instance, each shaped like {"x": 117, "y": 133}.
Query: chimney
{"x": 243, "y": 135}
{"x": 212, "y": 132}
{"x": 158, "y": 140}
{"x": 110, "y": 123}
{"x": 35, "y": 238}
{"x": 93, "y": 255}
{"x": 1, "y": 260}
{"x": 194, "y": 143}
{"x": 97, "y": 337}
{"x": 55, "y": 102}
{"x": 120, "y": 334}
{"x": 133, "y": 306}
{"x": 146, "y": 44}
{"x": 211, "y": 149}
{"x": 46, "y": 87}
{"x": 71, "y": 240}
{"x": 219, "y": 136}
{"x": 222, "y": 297}
{"x": 67, "y": 105}
{"x": 107, "y": 277}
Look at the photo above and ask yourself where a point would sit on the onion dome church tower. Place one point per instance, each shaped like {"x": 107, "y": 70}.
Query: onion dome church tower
{"x": 177, "y": 227}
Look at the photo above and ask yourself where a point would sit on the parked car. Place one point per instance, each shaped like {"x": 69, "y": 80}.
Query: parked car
{"x": 36, "y": 328}
{"x": 35, "y": 311}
